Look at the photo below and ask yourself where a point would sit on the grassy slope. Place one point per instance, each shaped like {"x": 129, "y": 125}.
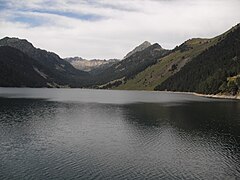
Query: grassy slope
{"x": 156, "y": 74}
{"x": 159, "y": 72}
{"x": 215, "y": 71}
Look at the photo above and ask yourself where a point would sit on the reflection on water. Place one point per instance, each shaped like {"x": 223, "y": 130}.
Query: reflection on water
{"x": 117, "y": 137}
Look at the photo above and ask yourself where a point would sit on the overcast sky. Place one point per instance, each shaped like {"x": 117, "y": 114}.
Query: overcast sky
{"x": 111, "y": 28}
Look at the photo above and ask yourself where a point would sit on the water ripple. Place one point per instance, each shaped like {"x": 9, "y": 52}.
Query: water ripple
{"x": 87, "y": 140}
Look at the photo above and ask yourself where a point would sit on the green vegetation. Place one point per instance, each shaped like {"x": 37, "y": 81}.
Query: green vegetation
{"x": 58, "y": 70}
{"x": 168, "y": 65}
{"x": 208, "y": 66}
{"x": 17, "y": 70}
{"x": 232, "y": 86}
{"x": 213, "y": 71}
{"x": 129, "y": 67}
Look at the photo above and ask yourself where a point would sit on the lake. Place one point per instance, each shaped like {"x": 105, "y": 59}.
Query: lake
{"x": 104, "y": 134}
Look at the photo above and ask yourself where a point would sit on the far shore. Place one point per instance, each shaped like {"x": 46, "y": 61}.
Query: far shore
{"x": 216, "y": 96}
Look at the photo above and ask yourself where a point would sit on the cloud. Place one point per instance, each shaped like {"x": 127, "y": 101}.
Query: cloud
{"x": 109, "y": 29}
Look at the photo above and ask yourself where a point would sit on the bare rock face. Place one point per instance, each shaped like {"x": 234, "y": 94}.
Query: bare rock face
{"x": 89, "y": 65}
{"x": 141, "y": 47}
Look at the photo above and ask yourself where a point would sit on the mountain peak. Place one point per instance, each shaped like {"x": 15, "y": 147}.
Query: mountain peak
{"x": 145, "y": 43}
{"x": 140, "y": 47}
{"x": 12, "y": 39}
{"x": 16, "y": 42}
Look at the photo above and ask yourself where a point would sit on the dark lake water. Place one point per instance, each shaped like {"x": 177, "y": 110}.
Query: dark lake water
{"x": 102, "y": 134}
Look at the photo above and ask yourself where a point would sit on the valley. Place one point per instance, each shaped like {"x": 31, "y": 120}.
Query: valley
{"x": 205, "y": 66}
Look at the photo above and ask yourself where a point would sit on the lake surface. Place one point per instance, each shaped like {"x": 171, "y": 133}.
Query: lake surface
{"x": 103, "y": 134}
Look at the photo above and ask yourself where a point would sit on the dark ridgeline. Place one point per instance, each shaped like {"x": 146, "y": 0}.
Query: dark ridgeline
{"x": 60, "y": 72}
{"x": 17, "y": 69}
{"x": 211, "y": 71}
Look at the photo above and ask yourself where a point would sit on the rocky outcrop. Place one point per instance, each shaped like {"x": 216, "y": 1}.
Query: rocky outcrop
{"x": 141, "y": 47}
{"x": 89, "y": 65}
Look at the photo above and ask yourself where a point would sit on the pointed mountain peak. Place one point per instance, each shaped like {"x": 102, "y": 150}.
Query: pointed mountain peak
{"x": 145, "y": 43}
{"x": 140, "y": 47}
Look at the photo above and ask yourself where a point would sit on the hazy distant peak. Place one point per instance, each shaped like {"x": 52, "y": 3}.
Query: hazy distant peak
{"x": 140, "y": 47}
{"x": 89, "y": 65}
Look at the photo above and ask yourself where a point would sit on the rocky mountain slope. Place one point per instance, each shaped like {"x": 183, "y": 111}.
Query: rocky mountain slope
{"x": 141, "y": 47}
{"x": 92, "y": 66}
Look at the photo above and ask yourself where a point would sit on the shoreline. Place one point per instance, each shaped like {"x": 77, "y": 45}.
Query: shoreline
{"x": 217, "y": 96}
{"x": 237, "y": 97}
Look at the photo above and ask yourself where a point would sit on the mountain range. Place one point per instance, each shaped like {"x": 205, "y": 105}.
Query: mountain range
{"x": 93, "y": 66}
{"x": 208, "y": 66}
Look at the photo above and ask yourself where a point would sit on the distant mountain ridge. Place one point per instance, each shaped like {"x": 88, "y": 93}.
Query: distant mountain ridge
{"x": 98, "y": 65}
{"x": 90, "y": 65}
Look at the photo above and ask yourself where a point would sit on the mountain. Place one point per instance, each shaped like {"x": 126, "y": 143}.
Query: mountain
{"x": 214, "y": 71}
{"x": 62, "y": 72}
{"x": 168, "y": 65}
{"x": 126, "y": 69}
{"x": 83, "y": 64}
{"x": 19, "y": 70}
{"x": 103, "y": 67}
{"x": 207, "y": 66}
{"x": 92, "y": 66}
{"x": 172, "y": 65}
{"x": 141, "y": 47}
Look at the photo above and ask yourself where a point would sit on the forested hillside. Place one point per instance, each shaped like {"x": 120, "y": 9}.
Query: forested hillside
{"x": 60, "y": 70}
{"x": 168, "y": 65}
{"x": 208, "y": 66}
{"x": 216, "y": 70}
{"x": 19, "y": 70}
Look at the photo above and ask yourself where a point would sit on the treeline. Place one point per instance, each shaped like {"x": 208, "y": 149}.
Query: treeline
{"x": 212, "y": 71}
